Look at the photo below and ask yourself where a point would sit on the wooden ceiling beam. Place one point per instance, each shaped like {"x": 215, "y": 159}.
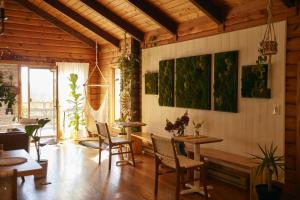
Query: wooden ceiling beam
{"x": 84, "y": 22}
{"x": 123, "y": 24}
{"x": 211, "y": 10}
{"x": 289, "y": 3}
{"x": 157, "y": 15}
{"x": 56, "y": 22}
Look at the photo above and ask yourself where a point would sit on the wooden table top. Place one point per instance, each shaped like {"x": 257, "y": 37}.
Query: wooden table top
{"x": 31, "y": 167}
{"x": 131, "y": 124}
{"x": 201, "y": 139}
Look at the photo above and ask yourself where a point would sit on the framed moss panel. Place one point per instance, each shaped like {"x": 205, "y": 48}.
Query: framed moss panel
{"x": 255, "y": 81}
{"x": 226, "y": 81}
{"x": 193, "y": 82}
{"x": 151, "y": 83}
{"x": 166, "y": 83}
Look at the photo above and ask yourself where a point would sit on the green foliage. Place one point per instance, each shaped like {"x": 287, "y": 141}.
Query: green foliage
{"x": 34, "y": 131}
{"x": 268, "y": 163}
{"x": 166, "y": 83}
{"x": 226, "y": 81}
{"x": 151, "y": 83}
{"x": 76, "y": 101}
{"x": 193, "y": 82}
{"x": 255, "y": 81}
{"x": 7, "y": 93}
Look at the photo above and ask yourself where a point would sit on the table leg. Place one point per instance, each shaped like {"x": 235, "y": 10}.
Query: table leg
{"x": 128, "y": 157}
{"x": 196, "y": 188}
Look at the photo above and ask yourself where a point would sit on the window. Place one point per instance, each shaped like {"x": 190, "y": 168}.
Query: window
{"x": 117, "y": 93}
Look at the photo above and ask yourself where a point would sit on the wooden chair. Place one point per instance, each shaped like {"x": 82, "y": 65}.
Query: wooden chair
{"x": 113, "y": 143}
{"x": 8, "y": 185}
{"x": 166, "y": 155}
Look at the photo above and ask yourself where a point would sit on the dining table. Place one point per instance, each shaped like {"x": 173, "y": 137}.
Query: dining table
{"x": 25, "y": 165}
{"x": 196, "y": 141}
{"x": 129, "y": 126}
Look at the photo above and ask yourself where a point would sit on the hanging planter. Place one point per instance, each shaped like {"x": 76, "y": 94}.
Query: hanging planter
{"x": 269, "y": 43}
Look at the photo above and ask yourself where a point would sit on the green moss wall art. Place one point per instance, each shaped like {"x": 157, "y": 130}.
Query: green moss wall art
{"x": 193, "y": 82}
{"x": 255, "y": 81}
{"x": 151, "y": 83}
{"x": 166, "y": 83}
{"x": 226, "y": 81}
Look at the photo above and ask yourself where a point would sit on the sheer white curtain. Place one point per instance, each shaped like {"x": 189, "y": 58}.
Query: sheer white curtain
{"x": 64, "y": 71}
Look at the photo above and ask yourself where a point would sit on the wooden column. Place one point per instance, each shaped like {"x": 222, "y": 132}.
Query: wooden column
{"x": 136, "y": 82}
{"x": 298, "y": 133}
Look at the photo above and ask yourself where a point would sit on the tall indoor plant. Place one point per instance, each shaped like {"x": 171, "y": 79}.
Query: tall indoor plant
{"x": 268, "y": 165}
{"x": 76, "y": 102}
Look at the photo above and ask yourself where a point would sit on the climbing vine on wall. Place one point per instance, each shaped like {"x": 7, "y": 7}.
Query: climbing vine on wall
{"x": 193, "y": 82}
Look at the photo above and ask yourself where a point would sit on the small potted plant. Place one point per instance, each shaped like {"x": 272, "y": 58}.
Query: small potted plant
{"x": 197, "y": 126}
{"x": 34, "y": 131}
{"x": 268, "y": 165}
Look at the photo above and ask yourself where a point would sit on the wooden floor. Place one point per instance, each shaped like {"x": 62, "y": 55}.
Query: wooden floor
{"x": 74, "y": 174}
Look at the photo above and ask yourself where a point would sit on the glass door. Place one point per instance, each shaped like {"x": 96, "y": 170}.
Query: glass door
{"x": 39, "y": 96}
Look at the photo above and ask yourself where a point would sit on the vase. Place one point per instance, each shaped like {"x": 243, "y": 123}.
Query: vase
{"x": 180, "y": 146}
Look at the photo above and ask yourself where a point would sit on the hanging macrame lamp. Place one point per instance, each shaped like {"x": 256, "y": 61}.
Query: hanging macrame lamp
{"x": 269, "y": 43}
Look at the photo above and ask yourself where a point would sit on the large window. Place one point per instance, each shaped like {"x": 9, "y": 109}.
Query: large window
{"x": 117, "y": 93}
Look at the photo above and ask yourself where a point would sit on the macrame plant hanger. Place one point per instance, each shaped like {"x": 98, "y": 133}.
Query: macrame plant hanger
{"x": 269, "y": 45}
{"x": 86, "y": 83}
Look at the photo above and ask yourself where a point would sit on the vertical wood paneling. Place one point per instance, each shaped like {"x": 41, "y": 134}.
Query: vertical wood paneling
{"x": 254, "y": 122}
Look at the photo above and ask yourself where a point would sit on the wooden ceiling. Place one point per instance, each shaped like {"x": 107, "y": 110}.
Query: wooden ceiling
{"x": 102, "y": 20}
{"x": 40, "y": 26}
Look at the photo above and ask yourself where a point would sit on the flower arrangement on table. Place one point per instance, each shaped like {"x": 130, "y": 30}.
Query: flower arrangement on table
{"x": 178, "y": 125}
{"x": 197, "y": 126}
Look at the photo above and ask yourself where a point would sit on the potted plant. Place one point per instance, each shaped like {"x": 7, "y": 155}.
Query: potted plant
{"x": 179, "y": 125}
{"x": 197, "y": 126}
{"x": 76, "y": 102}
{"x": 34, "y": 131}
{"x": 268, "y": 165}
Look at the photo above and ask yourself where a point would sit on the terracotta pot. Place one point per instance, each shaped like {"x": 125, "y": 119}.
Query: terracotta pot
{"x": 43, "y": 172}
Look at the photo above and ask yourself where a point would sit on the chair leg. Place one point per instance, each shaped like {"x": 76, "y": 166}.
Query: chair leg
{"x": 204, "y": 181}
{"x": 177, "y": 184}
{"x": 156, "y": 177}
{"x": 182, "y": 179}
{"x": 109, "y": 161}
{"x": 121, "y": 151}
{"x": 132, "y": 155}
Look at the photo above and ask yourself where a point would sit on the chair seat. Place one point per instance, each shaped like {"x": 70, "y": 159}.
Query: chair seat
{"x": 118, "y": 141}
{"x": 184, "y": 162}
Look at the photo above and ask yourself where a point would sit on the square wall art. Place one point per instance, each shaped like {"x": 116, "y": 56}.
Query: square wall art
{"x": 166, "y": 83}
{"x": 193, "y": 82}
{"x": 226, "y": 81}
{"x": 255, "y": 81}
{"x": 151, "y": 83}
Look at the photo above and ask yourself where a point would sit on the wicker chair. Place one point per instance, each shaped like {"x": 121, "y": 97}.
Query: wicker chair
{"x": 8, "y": 185}
{"x": 113, "y": 143}
{"x": 165, "y": 154}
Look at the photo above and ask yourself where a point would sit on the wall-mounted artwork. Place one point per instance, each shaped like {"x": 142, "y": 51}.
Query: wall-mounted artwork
{"x": 255, "y": 81}
{"x": 226, "y": 81}
{"x": 151, "y": 83}
{"x": 193, "y": 82}
{"x": 166, "y": 83}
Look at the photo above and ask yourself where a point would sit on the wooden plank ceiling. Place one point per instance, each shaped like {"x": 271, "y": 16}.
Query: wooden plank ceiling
{"x": 46, "y": 24}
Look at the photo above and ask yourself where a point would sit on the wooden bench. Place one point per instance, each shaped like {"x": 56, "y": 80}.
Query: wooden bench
{"x": 142, "y": 142}
{"x": 236, "y": 162}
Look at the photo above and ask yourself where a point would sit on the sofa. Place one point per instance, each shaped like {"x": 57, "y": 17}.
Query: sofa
{"x": 14, "y": 139}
